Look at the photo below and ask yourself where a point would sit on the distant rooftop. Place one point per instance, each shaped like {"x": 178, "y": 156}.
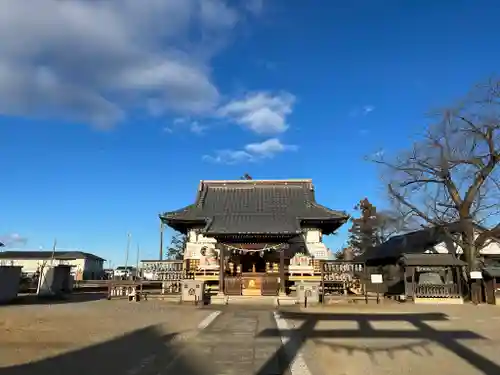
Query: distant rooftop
{"x": 47, "y": 254}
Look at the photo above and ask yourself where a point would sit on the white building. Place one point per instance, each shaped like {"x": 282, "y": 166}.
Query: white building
{"x": 85, "y": 266}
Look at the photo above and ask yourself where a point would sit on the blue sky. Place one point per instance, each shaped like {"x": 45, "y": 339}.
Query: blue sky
{"x": 111, "y": 112}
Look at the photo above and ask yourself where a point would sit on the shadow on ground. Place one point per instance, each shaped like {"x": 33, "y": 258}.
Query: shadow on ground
{"x": 424, "y": 334}
{"x": 33, "y": 299}
{"x": 146, "y": 351}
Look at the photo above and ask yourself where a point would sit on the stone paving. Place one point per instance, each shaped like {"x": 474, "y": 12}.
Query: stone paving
{"x": 232, "y": 344}
{"x": 160, "y": 339}
{"x": 400, "y": 339}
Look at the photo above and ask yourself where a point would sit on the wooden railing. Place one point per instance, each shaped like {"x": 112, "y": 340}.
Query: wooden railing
{"x": 270, "y": 285}
{"x": 437, "y": 291}
{"x": 233, "y": 285}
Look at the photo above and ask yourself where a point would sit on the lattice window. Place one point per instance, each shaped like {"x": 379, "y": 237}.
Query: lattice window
{"x": 317, "y": 265}
{"x": 192, "y": 264}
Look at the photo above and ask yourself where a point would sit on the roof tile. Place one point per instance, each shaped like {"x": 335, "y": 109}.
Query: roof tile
{"x": 254, "y": 206}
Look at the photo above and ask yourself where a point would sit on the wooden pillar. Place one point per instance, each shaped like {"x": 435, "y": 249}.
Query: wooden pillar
{"x": 494, "y": 286}
{"x": 458, "y": 277}
{"x": 161, "y": 240}
{"x": 413, "y": 286}
{"x": 322, "y": 265}
{"x": 405, "y": 279}
{"x": 222, "y": 271}
{"x": 282, "y": 271}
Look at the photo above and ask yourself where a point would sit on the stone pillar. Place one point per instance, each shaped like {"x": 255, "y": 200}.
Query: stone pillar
{"x": 282, "y": 272}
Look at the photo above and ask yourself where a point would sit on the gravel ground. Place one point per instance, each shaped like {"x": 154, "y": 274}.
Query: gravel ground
{"x": 32, "y": 333}
{"x": 400, "y": 339}
{"x": 157, "y": 338}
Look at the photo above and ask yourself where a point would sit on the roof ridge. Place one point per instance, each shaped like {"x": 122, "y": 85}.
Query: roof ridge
{"x": 42, "y": 250}
{"x": 283, "y": 181}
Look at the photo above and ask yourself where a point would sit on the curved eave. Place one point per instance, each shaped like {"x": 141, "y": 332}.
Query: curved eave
{"x": 186, "y": 212}
{"x": 328, "y": 224}
{"x": 182, "y": 225}
{"x": 329, "y": 212}
{"x": 251, "y": 237}
{"x": 261, "y": 234}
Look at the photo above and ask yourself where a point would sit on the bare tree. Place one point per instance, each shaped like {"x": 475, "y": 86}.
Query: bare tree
{"x": 394, "y": 222}
{"x": 451, "y": 174}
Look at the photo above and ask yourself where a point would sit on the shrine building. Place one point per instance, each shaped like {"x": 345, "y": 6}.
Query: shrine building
{"x": 255, "y": 237}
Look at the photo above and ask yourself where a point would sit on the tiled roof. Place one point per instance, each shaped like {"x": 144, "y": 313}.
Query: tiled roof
{"x": 255, "y": 206}
{"x": 35, "y": 254}
{"x": 410, "y": 243}
{"x": 492, "y": 271}
{"x": 253, "y": 224}
{"x": 431, "y": 260}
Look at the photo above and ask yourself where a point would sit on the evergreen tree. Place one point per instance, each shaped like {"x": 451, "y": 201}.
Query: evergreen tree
{"x": 363, "y": 233}
{"x": 177, "y": 246}
{"x": 338, "y": 255}
{"x": 246, "y": 176}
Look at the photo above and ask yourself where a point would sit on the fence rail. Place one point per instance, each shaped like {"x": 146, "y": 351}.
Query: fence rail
{"x": 437, "y": 291}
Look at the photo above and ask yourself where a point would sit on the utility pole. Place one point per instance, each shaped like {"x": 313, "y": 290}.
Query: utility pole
{"x": 137, "y": 262}
{"x": 161, "y": 239}
{"x": 53, "y": 252}
{"x": 129, "y": 236}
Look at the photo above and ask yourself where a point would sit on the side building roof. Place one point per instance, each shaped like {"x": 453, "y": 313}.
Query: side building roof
{"x": 249, "y": 207}
{"x": 416, "y": 242}
{"x": 36, "y": 254}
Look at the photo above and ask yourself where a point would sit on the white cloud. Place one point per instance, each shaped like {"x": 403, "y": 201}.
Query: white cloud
{"x": 251, "y": 152}
{"x": 180, "y": 120}
{"x": 196, "y": 128}
{"x": 363, "y": 111}
{"x": 230, "y": 157}
{"x": 186, "y": 123}
{"x": 368, "y": 108}
{"x": 378, "y": 154}
{"x": 12, "y": 239}
{"x": 94, "y": 61}
{"x": 254, "y": 6}
{"x": 261, "y": 112}
{"x": 269, "y": 148}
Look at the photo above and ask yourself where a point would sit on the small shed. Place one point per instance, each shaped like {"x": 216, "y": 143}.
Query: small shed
{"x": 386, "y": 258}
{"x": 491, "y": 277}
{"x": 432, "y": 277}
{"x": 55, "y": 281}
{"x": 10, "y": 277}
